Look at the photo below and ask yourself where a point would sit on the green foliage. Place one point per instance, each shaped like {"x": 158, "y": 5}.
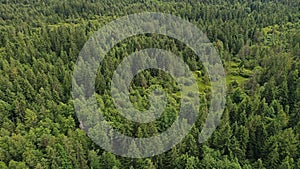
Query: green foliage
{"x": 259, "y": 44}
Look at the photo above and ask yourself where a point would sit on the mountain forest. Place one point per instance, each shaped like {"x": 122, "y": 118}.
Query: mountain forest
{"x": 258, "y": 42}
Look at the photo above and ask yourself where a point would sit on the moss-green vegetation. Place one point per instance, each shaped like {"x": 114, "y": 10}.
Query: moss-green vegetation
{"x": 259, "y": 44}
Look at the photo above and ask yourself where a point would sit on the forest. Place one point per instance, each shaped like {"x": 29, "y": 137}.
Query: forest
{"x": 259, "y": 45}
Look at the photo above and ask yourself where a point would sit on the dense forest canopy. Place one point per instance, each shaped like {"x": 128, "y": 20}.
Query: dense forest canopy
{"x": 259, "y": 44}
